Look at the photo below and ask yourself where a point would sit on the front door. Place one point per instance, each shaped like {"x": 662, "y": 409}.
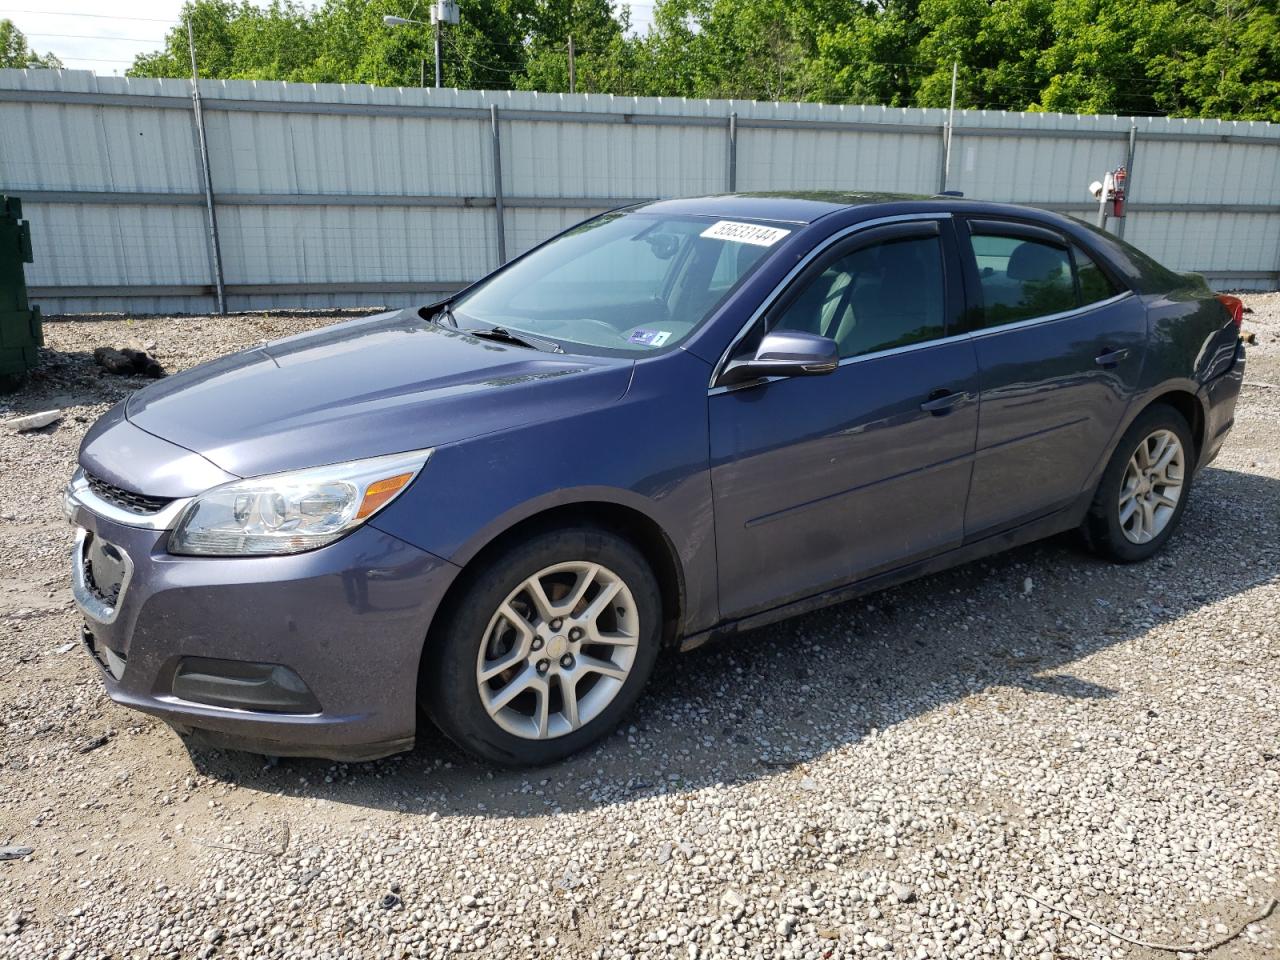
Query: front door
{"x": 822, "y": 480}
{"x": 1060, "y": 348}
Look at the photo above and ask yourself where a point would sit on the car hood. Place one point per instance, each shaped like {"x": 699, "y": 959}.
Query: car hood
{"x": 368, "y": 387}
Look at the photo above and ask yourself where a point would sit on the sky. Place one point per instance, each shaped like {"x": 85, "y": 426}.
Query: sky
{"x": 85, "y": 38}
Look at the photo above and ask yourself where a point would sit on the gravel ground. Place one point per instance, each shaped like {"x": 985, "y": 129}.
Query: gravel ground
{"x": 897, "y": 777}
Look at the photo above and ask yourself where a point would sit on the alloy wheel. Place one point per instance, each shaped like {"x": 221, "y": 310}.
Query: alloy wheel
{"x": 1151, "y": 487}
{"x": 558, "y": 650}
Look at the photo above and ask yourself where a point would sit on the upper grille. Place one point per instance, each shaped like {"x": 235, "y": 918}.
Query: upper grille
{"x": 137, "y": 503}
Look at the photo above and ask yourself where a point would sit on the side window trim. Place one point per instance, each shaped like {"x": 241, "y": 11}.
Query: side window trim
{"x": 767, "y": 304}
{"x": 1075, "y": 275}
{"x": 1048, "y": 318}
{"x": 1017, "y": 228}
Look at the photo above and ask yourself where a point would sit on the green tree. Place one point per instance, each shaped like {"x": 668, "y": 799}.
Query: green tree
{"x": 755, "y": 49}
{"x": 14, "y": 51}
{"x": 1112, "y": 58}
{"x": 602, "y": 52}
{"x": 996, "y": 46}
{"x": 234, "y": 41}
{"x": 1238, "y": 72}
{"x": 1176, "y": 57}
{"x": 346, "y": 41}
{"x": 869, "y": 56}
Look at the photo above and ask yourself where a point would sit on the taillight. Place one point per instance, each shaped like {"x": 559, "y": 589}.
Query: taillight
{"x": 1235, "y": 307}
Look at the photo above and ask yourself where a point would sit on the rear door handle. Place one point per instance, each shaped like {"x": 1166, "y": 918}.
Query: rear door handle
{"x": 940, "y": 402}
{"x": 1110, "y": 358}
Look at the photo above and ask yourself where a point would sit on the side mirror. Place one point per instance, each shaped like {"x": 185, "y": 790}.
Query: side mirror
{"x": 784, "y": 353}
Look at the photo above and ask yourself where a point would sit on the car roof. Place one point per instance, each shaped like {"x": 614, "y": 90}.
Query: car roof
{"x": 807, "y": 207}
{"x": 785, "y": 207}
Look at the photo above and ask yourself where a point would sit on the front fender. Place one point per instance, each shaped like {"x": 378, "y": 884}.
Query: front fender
{"x": 646, "y": 452}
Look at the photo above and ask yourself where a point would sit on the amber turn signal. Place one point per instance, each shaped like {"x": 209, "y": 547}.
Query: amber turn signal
{"x": 380, "y": 492}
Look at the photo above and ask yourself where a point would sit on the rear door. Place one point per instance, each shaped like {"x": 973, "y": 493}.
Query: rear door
{"x": 1060, "y": 346}
{"x": 822, "y": 480}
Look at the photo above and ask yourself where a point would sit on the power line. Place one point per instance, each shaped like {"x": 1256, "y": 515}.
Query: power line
{"x": 88, "y": 36}
{"x": 96, "y": 16}
{"x": 489, "y": 67}
{"x": 91, "y": 59}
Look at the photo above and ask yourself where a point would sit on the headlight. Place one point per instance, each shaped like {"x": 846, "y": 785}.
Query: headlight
{"x": 292, "y": 512}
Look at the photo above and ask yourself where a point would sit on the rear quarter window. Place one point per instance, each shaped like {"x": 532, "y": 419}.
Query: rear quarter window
{"x": 1095, "y": 285}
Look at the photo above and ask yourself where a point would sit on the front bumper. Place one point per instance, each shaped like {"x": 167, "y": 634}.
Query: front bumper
{"x": 349, "y": 620}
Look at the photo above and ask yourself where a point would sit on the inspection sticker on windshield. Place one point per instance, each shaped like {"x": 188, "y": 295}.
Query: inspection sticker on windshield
{"x": 650, "y": 338}
{"x": 751, "y": 233}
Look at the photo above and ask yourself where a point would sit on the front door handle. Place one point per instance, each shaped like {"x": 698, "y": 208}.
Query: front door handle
{"x": 1111, "y": 358}
{"x": 940, "y": 402}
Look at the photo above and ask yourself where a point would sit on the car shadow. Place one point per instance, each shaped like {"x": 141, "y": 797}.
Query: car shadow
{"x": 787, "y": 694}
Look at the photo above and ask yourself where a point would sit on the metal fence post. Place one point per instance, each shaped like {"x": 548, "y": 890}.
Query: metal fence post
{"x": 497, "y": 184}
{"x": 944, "y": 161}
{"x": 215, "y": 246}
{"x": 732, "y": 173}
{"x": 1128, "y": 169}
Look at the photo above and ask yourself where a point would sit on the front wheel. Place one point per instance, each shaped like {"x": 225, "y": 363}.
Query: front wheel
{"x": 546, "y": 649}
{"x": 1144, "y": 489}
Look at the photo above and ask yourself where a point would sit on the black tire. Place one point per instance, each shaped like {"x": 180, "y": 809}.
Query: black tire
{"x": 450, "y": 692}
{"x": 1102, "y": 527}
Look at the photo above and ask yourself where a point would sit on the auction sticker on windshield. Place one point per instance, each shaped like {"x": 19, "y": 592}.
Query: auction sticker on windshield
{"x": 650, "y": 338}
{"x": 745, "y": 233}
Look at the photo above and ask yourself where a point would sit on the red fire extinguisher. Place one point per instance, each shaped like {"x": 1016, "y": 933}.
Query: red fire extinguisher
{"x": 1117, "y": 193}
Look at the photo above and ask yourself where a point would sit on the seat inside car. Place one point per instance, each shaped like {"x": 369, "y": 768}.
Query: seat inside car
{"x": 1029, "y": 263}
{"x": 1036, "y": 282}
{"x": 896, "y": 290}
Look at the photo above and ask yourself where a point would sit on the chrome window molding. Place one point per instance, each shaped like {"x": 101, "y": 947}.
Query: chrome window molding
{"x": 1050, "y": 318}
{"x": 79, "y": 494}
{"x": 848, "y": 361}
{"x": 89, "y": 604}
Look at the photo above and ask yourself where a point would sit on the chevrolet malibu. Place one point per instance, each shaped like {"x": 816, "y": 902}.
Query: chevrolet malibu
{"x": 668, "y": 424}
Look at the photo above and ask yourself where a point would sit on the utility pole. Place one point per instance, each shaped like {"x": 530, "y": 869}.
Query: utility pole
{"x": 435, "y": 22}
{"x": 951, "y": 123}
{"x": 573, "y": 73}
{"x": 445, "y": 11}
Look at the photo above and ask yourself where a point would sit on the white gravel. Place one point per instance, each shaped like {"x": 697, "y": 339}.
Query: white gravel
{"x": 882, "y": 779}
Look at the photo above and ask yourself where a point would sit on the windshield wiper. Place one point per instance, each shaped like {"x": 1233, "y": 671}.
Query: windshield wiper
{"x": 503, "y": 335}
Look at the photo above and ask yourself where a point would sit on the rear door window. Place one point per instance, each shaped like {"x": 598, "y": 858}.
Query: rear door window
{"x": 1022, "y": 278}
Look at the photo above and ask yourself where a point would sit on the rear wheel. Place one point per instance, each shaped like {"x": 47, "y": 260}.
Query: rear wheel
{"x": 1144, "y": 489}
{"x": 547, "y": 648}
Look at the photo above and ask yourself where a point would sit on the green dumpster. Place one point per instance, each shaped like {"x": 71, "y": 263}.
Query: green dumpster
{"x": 20, "y": 330}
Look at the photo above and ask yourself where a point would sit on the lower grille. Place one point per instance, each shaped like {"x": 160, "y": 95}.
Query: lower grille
{"x": 137, "y": 503}
{"x": 110, "y": 661}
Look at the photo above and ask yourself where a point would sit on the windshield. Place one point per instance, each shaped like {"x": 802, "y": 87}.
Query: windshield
{"x": 629, "y": 283}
